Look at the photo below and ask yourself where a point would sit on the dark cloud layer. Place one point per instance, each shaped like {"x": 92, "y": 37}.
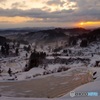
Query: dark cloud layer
{"x": 18, "y": 4}
{"x": 63, "y": 15}
{"x": 2, "y": 1}
{"x": 55, "y": 2}
{"x": 88, "y": 10}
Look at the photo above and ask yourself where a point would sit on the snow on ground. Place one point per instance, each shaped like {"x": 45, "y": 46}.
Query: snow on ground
{"x": 89, "y": 87}
{"x": 9, "y": 98}
{"x": 30, "y": 74}
{"x": 79, "y": 98}
{"x": 54, "y": 66}
{"x": 94, "y": 69}
{"x": 18, "y": 63}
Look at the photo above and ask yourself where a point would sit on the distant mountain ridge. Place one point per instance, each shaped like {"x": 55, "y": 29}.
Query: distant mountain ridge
{"x": 22, "y": 30}
{"x": 55, "y": 36}
{"x": 48, "y": 35}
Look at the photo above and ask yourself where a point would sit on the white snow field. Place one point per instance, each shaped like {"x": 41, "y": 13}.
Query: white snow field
{"x": 89, "y": 87}
{"x": 34, "y": 85}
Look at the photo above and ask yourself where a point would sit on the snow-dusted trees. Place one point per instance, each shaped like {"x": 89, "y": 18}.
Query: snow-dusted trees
{"x": 36, "y": 58}
{"x": 73, "y": 41}
{"x": 5, "y": 49}
{"x": 84, "y": 43}
{"x": 27, "y": 48}
{"x": 17, "y": 51}
{"x": 9, "y": 72}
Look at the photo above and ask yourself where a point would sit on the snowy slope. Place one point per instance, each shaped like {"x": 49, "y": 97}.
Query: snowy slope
{"x": 18, "y": 63}
{"x": 89, "y": 87}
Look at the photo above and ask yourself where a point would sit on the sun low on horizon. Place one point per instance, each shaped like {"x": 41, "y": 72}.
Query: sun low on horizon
{"x": 41, "y": 13}
{"x": 81, "y": 23}
{"x": 87, "y": 24}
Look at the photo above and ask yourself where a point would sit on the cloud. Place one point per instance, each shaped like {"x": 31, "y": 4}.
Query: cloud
{"x": 55, "y": 11}
{"x": 37, "y": 13}
{"x": 56, "y": 5}
{"x": 60, "y": 16}
{"x": 87, "y": 4}
{"x": 19, "y": 5}
{"x": 15, "y": 20}
{"x": 54, "y": 2}
{"x": 2, "y": 1}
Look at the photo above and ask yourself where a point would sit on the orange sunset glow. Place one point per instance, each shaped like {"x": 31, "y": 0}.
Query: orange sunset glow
{"x": 18, "y": 19}
{"x": 88, "y": 24}
{"x": 49, "y": 49}
{"x": 57, "y": 13}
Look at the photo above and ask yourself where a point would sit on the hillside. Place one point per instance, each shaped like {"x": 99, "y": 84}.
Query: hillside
{"x": 59, "y": 69}
{"x": 50, "y": 35}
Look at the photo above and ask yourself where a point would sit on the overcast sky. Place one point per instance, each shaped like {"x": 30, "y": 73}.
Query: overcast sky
{"x": 48, "y": 13}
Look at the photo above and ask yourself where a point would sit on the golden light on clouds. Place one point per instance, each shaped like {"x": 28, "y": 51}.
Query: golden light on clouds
{"x": 18, "y": 19}
{"x": 22, "y": 4}
{"x": 70, "y": 5}
{"x": 66, "y": 5}
{"x": 88, "y": 24}
{"x": 35, "y": 4}
{"x": 50, "y": 12}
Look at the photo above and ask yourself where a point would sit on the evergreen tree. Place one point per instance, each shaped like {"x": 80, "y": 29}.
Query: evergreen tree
{"x": 17, "y": 51}
{"x": 84, "y": 43}
{"x": 7, "y": 49}
{"x": 29, "y": 48}
{"x": 18, "y": 45}
{"x": 10, "y": 72}
{"x": 26, "y": 55}
{"x": 36, "y": 58}
{"x": 2, "y": 50}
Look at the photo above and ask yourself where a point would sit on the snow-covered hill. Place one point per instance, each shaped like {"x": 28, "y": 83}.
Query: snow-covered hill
{"x": 63, "y": 65}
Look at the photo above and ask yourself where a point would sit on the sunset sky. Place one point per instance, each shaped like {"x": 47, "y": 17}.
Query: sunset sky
{"x": 49, "y": 13}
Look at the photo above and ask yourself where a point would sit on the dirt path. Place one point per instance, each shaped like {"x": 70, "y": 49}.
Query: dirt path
{"x": 51, "y": 86}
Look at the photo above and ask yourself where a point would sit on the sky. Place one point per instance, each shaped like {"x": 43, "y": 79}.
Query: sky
{"x": 49, "y": 13}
